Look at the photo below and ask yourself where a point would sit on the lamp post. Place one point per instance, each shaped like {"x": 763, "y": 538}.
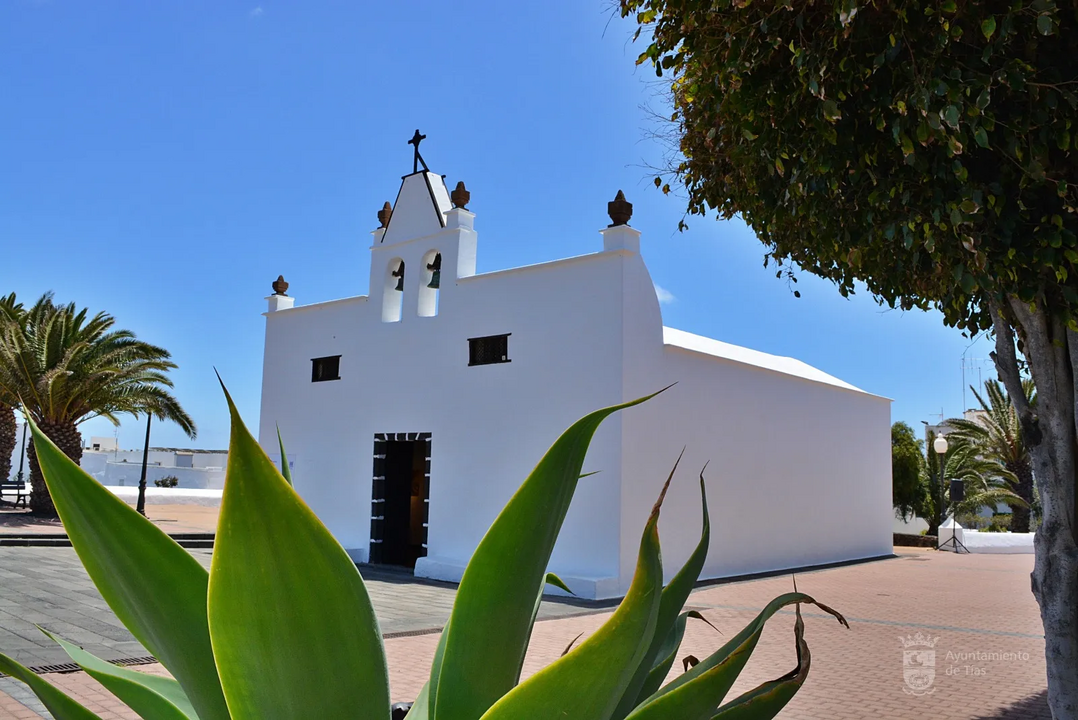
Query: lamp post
{"x": 22, "y": 455}
{"x": 940, "y": 446}
{"x": 141, "y": 505}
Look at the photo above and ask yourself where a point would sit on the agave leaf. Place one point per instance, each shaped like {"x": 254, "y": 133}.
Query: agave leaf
{"x": 489, "y": 627}
{"x": 421, "y": 710}
{"x": 286, "y": 472}
{"x": 421, "y": 706}
{"x": 570, "y": 645}
{"x": 697, "y": 694}
{"x": 767, "y": 700}
{"x": 665, "y": 658}
{"x": 673, "y": 600}
{"x": 151, "y": 696}
{"x": 551, "y": 579}
{"x": 292, "y": 626}
{"x": 588, "y": 682}
{"x": 55, "y": 700}
{"x": 154, "y": 586}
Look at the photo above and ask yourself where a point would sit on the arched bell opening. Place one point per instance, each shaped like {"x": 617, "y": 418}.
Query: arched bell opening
{"x": 393, "y": 291}
{"x": 430, "y": 286}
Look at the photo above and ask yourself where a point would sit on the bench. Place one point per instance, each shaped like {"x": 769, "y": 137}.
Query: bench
{"x": 17, "y": 487}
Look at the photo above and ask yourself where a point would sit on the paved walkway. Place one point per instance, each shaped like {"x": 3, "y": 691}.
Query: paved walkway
{"x": 48, "y": 587}
{"x": 977, "y": 609}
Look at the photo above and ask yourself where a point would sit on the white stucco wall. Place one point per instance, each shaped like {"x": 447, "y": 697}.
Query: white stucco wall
{"x": 800, "y": 462}
{"x": 798, "y": 474}
{"x": 489, "y": 424}
{"x": 799, "y": 466}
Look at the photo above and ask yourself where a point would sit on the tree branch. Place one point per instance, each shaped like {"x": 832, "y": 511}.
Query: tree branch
{"x": 1006, "y": 360}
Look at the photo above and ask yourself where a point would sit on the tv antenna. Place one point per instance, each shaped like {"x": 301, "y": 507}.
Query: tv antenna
{"x": 971, "y": 364}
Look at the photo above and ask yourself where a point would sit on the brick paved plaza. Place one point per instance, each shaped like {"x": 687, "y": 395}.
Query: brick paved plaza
{"x": 171, "y": 517}
{"x": 989, "y": 651}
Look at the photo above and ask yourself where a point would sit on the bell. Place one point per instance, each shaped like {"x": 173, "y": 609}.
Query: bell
{"x": 399, "y": 274}
{"x": 436, "y": 272}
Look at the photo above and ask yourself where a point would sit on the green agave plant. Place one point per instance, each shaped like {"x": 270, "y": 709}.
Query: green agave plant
{"x": 281, "y": 626}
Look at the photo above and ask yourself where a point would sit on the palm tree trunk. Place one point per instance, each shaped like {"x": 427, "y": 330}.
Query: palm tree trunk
{"x": 69, "y": 440}
{"x": 8, "y": 430}
{"x": 1020, "y": 516}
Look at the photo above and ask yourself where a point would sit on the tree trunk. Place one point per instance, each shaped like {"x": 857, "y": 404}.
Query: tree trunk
{"x": 1022, "y": 515}
{"x": 66, "y": 437}
{"x": 1050, "y": 433}
{"x": 8, "y": 439}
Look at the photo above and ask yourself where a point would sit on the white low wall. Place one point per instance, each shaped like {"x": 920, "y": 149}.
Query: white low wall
{"x": 171, "y": 496}
{"x": 913, "y": 526}
{"x": 1000, "y": 543}
{"x": 121, "y": 474}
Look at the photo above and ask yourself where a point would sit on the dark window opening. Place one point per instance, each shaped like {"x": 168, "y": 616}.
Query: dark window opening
{"x": 488, "y": 350}
{"x": 326, "y": 368}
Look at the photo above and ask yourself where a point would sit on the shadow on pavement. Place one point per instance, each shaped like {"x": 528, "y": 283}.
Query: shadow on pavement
{"x": 1034, "y": 707}
{"x": 17, "y": 519}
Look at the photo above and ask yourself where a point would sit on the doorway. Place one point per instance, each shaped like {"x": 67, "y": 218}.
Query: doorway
{"x": 400, "y": 498}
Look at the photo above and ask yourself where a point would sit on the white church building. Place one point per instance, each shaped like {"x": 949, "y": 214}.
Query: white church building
{"x": 413, "y": 413}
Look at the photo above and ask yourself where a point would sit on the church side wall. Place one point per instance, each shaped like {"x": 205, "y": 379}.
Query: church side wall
{"x": 489, "y": 424}
{"x": 799, "y": 471}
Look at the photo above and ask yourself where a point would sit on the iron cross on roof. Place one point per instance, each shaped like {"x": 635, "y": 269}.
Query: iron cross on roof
{"x": 416, "y": 139}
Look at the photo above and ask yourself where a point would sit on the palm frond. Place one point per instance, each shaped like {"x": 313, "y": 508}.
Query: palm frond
{"x": 67, "y": 367}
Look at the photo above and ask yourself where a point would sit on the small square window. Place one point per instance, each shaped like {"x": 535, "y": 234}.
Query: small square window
{"x": 326, "y": 368}
{"x": 488, "y": 350}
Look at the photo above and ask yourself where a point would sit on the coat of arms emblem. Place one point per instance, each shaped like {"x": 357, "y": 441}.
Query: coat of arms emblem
{"x": 919, "y": 663}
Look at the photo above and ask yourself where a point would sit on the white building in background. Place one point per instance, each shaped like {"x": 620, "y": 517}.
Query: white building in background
{"x": 102, "y": 458}
{"x": 413, "y": 413}
{"x": 193, "y": 469}
{"x": 103, "y": 444}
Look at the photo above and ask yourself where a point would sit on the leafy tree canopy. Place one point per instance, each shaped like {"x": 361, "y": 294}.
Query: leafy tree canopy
{"x": 924, "y": 147}
{"x": 907, "y": 464}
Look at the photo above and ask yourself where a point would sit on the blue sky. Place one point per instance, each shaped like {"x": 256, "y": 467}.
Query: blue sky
{"x": 166, "y": 161}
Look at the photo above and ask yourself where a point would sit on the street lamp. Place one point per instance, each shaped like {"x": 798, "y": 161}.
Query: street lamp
{"x": 141, "y": 503}
{"x": 940, "y": 446}
{"x": 22, "y": 455}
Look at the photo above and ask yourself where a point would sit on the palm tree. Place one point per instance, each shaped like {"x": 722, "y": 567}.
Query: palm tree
{"x": 65, "y": 368}
{"x": 10, "y": 312}
{"x": 998, "y": 436}
{"x": 987, "y": 481}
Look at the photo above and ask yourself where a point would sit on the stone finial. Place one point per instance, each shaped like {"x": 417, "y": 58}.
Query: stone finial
{"x": 384, "y": 214}
{"x": 280, "y": 287}
{"x": 460, "y": 196}
{"x": 619, "y": 210}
